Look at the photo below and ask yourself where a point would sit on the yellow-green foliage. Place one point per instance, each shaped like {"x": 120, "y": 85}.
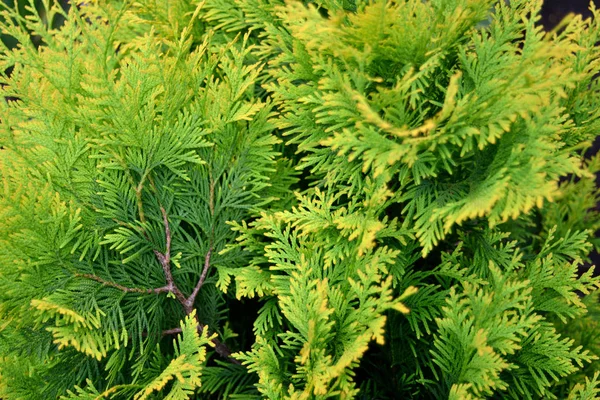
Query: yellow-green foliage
{"x": 294, "y": 199}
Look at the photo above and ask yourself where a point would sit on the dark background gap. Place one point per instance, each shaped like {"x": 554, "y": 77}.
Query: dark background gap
{"x": 553, "y": 11}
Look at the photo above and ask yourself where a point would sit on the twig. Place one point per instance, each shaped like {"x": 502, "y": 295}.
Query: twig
{"x": 220, "y": 348}
{"x": 96, "y": 278}
{"x": 173, "y": 331}
{"x": 165, "y": 261}
{"x": 190, "y": 300}
{"x": 188, "y": 303}
{"x": 211, "y": 206}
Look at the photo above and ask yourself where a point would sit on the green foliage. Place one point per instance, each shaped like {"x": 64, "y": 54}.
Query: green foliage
{"x": 318, "y": 199}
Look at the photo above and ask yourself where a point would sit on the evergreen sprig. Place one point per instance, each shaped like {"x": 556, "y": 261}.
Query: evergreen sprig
{"x": 297, "y": 200}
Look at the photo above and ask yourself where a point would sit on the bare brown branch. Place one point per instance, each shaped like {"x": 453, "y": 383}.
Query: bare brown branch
{"x": 190, "y": 300}
{"x": 211, "y": 205}
{"x": 96, "y": 278}
{"x": 165, "y": 261}
{"x": 220, "y": 348}
{"x": 188, "y": 303}
{"x": 173, "y": 331}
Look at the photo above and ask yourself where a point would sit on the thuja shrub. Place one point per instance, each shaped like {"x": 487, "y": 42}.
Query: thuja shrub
{"x": 252, "y": 199}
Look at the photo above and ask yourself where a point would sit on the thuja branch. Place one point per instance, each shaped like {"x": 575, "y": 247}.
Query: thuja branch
{"x": 190, "y": 300}
{"x": 187, "y": 303}
{"x": 211, "y": 206}
{"x": 165, "y": 262}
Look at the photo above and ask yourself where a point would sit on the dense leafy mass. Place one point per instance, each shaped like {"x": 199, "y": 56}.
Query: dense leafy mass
{"x": 250, "y": 199}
